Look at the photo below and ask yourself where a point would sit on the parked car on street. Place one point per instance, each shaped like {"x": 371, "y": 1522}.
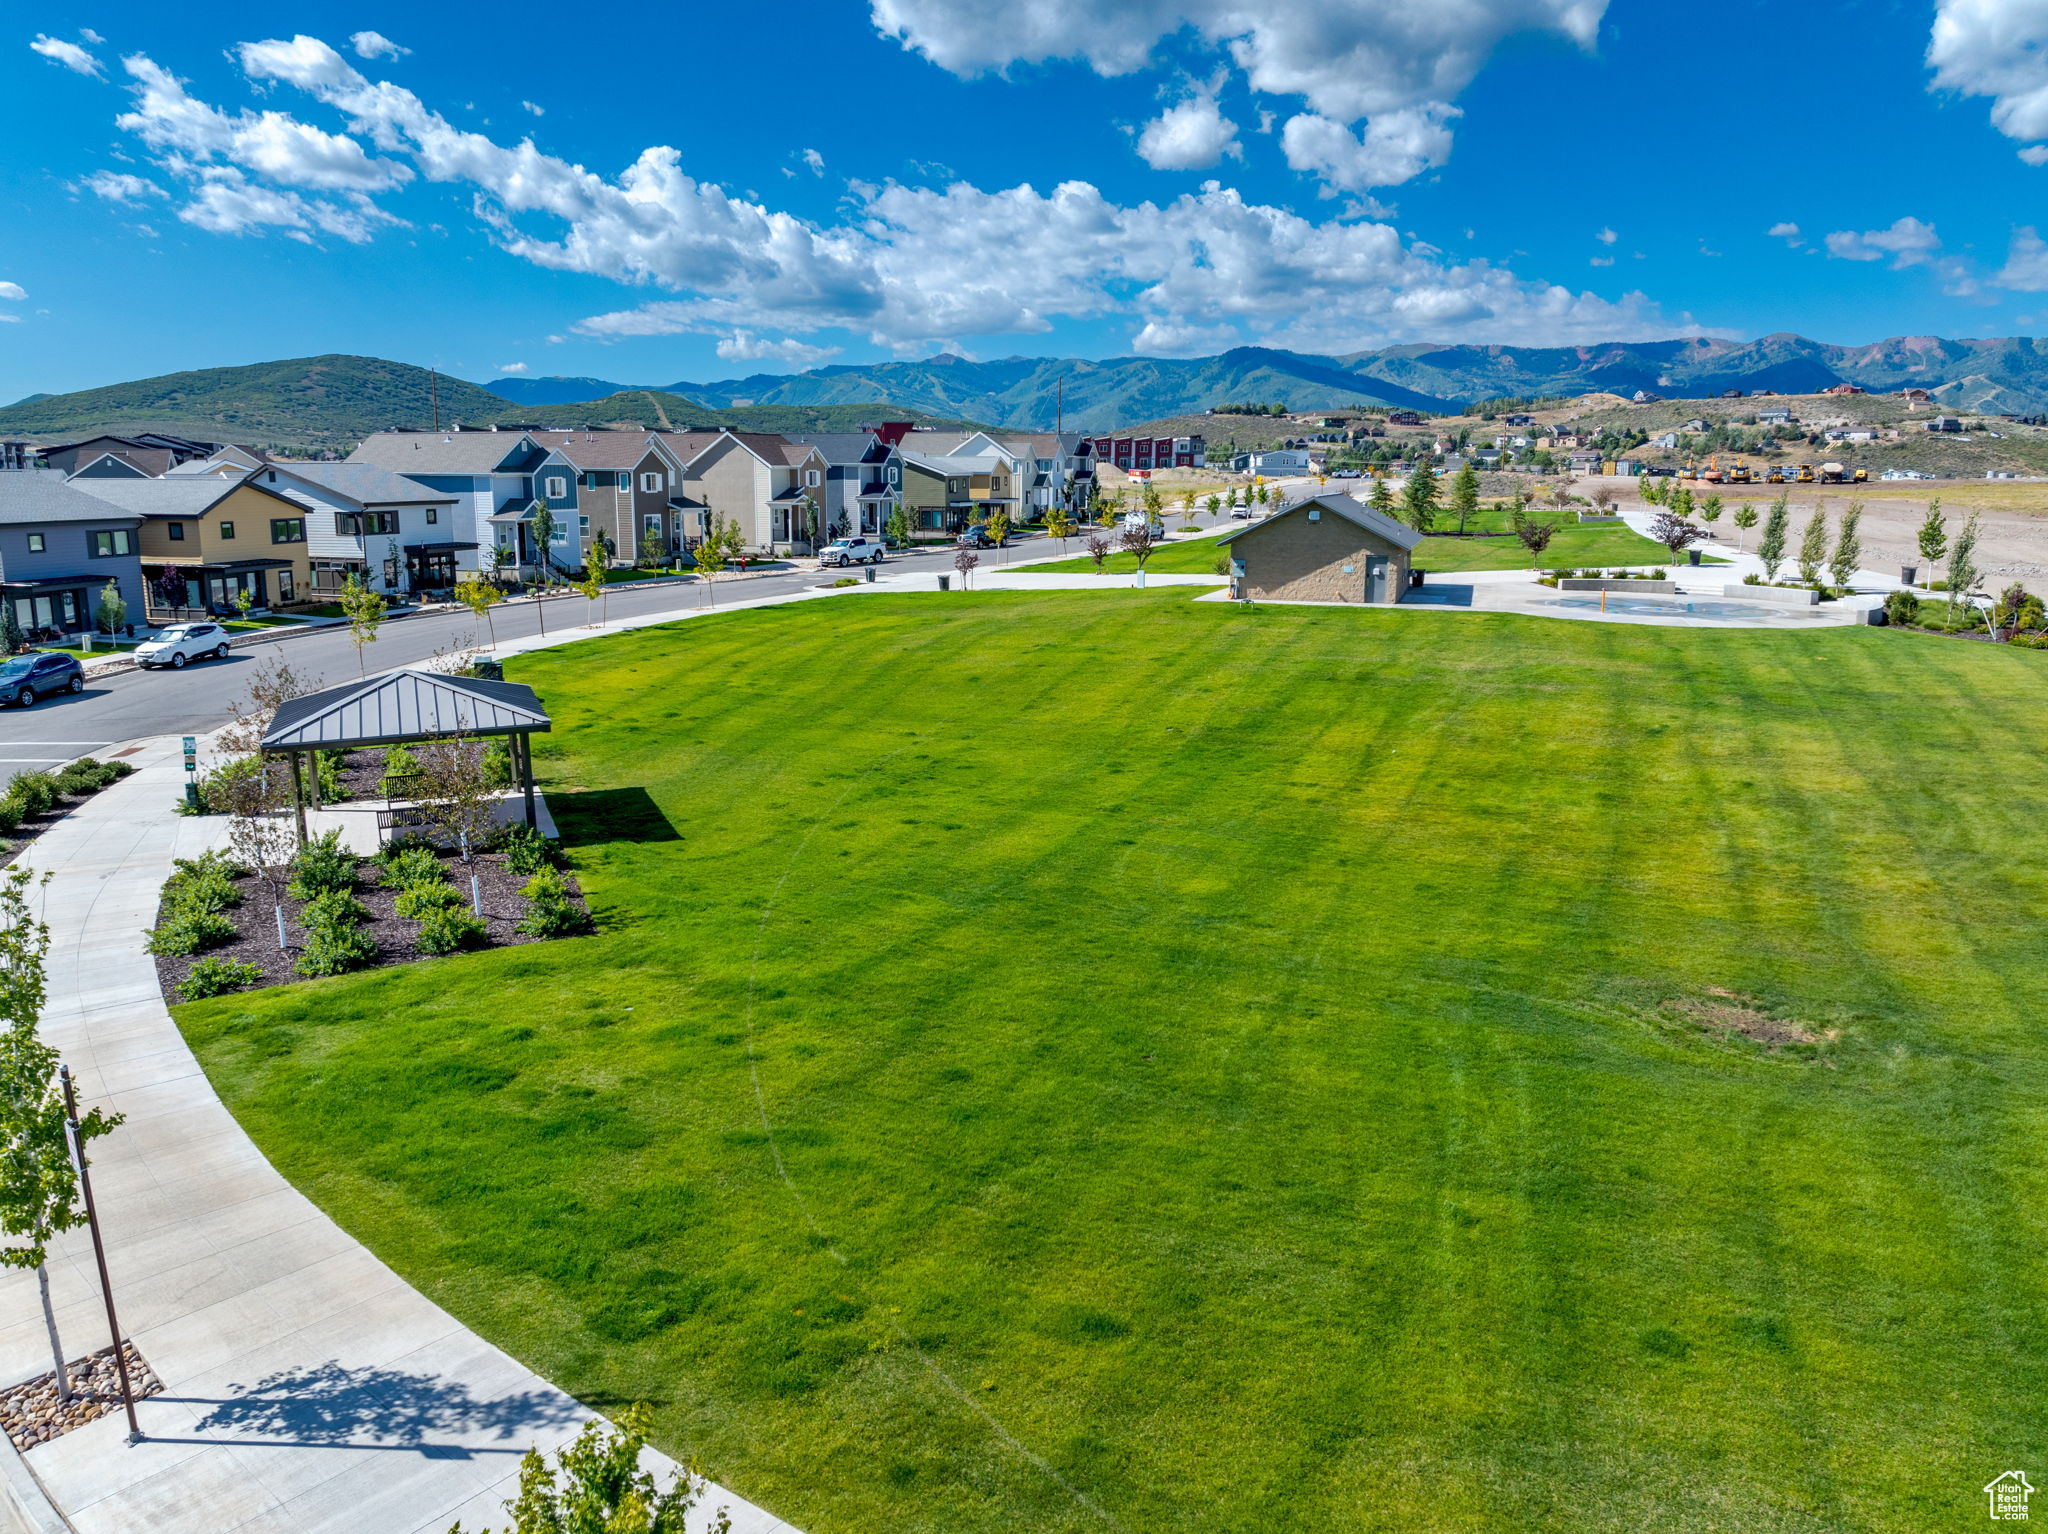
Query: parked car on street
{"x": 852, "y": 551}
{"x": 1347, "y": 474}
{"x": 977, "y": 538}
{"x": 1134, "y": 520}
{"x": 1242, "y": 513}
{"x": 183, "y": 642}
{"x": 25, "y": 678}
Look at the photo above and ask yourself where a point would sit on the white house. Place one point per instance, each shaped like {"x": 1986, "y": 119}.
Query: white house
{"x": 391, "y": 530}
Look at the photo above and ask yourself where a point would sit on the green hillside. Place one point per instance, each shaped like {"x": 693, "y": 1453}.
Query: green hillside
{"x": 656, "y": 407}
{"x": 314, "y": 402}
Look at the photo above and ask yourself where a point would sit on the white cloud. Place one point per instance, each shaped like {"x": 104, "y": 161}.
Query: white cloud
{"x": 745, "y": 346}
{"x": 375, "y": 45}
{"x": 537, "y": 111}
{"x": 90, "y": 36}
{"x": 1347, "y": 60}
{"x": 1995, "y": 48}
{"x": 513, "y": 367}
{"x": 13, "y": 291}
{"x": 814, "y": 160}
{"x": 1908, "y": 242}
{"x": 1606, "y": 236}
{"x": 1191, "y": 136}
{"x": 2035, "y": 154}
{"x": 1789, "y": 233}
{"x": 119, "y": 186}
{"x": 70, "y": 55}
{"x": 10, "y": 319}
{"x": 907, "y": 266}
{"x": 2026, "y": 262}
{"x": 1602, "y": 261}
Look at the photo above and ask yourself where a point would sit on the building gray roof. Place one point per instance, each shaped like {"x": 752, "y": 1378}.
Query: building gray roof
{"x": 447, "y": 452}
{"x": 47, "y": 495}
{"x": 364, "y": 483}
{"x": 403, "y": 705}
{"x": 1400, "y": 534}
{"x": 187, "y": 495}
{"x": 837, "y": 446}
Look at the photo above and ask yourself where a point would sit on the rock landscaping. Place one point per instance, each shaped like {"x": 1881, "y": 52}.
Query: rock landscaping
{"x": 32, "y": 1414}
{"x": 218, "y": 925}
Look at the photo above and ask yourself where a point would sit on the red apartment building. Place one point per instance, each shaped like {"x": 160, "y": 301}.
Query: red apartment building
{"x": 1129, "y": 453}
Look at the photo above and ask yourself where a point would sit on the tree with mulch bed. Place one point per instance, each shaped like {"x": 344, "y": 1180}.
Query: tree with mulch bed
{"x": 39, "y": 1192}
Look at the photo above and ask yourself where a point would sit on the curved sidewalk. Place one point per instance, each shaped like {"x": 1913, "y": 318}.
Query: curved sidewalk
{"x": 307, "y": 1388}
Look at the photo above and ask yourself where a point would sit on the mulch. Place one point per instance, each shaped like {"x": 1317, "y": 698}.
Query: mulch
{"x": 32, "y": 1414}
{"x": 255, "y": 919}
{"x": 16, "y": 842}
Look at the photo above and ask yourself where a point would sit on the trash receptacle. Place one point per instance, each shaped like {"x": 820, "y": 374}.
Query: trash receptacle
{"x": 1909, "y": 575}
{"x": 488, "y": 669}
{"x": 1695, "y": 553}
{"x": 1415, "y": 579}
{"x": 945, "y": 583}
{"x": 870, "y": 573}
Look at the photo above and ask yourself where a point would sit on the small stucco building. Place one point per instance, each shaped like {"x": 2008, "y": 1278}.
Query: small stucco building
{"x": 1330, "y": 548}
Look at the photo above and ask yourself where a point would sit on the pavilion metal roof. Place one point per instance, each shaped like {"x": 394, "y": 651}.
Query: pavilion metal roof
{"x": 402, "y": 706}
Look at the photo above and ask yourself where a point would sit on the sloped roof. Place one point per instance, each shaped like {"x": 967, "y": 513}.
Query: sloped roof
{"x": 837, "y": 446}
{"x": 183, "y": 495}
{"x": 447, "y": 452}
{"x": 597, "y": 449}
{"x": 772, "y": 447}
{"x": 404, "y": 705}
{"x": 47, "y": 495}
{"x": 1400, "y": 534}
{"x": 364, "y": 483}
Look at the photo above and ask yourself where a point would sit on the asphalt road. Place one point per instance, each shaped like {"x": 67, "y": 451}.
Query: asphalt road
{"x": 129, "y": 705}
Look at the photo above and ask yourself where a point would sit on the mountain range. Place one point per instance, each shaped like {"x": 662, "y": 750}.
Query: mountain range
{"x": 333, "y": 401}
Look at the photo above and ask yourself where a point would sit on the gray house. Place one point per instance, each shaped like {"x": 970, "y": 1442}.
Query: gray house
{"x": 58, "y": 549}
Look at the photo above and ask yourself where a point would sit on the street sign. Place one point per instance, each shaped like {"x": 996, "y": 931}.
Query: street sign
{"x": 191, "y": 753}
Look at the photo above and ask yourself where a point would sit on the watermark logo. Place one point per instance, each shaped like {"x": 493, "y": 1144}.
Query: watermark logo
{"x": 2009, "y": 1495}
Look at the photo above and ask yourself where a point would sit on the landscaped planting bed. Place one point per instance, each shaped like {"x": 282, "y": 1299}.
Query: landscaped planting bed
{"x": 222, "y": 920}
{"x": 32, "y": 802}
{"x": 1048, "y": 1059}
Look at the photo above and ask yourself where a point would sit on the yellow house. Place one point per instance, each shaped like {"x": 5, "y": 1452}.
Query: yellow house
{"x": 220, "y": 536}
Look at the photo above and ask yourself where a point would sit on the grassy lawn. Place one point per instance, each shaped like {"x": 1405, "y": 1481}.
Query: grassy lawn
{"x": 1246, "y": 1070}
{"x": 1573, "y": 546}
{"x": 251, "y": 625}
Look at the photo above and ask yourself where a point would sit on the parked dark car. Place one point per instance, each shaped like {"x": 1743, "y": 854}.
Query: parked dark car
{"x": 25, "y": 678}
{"x": 977, "y": 538}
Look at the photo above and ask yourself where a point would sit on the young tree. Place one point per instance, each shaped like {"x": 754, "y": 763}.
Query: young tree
{"x": 1465, "y": 495}
{"x": 480, "y": 597}
{"x": 964, "y": 561}
{"x": 651, "y": 551}
{"x": 1710, "y": 510}
{"x": 364, "y": 610}
{"x": 544, "y": 528}
{"x": 12, "y": 639}
{"x": 502, "y": 559}
{"x": 1848, "y": 546}
{"x": 1535, "y": 536}
{"x": 170, "y": 587}
{"x": 1149, "y": 499}
{"x": 592, "y": 587}
{"x": 1382, "y": 498}
{"x": 999, "y": 528}
{"x": 1059, "y": 526}
{"x": 710, "y": 557}
{"x": 1418, "y": 498}
{"x": 245, "y": 602}
{"x": 1561, "y": 492}
{"x": 39, "y": 1194}
{"x": 1963, "y": 574}
{"x": 1674, "y": 532}
{"x": 112, "y": 610}
{"x": 1744, "y": 519}
{"x": 598, "y": 1487}
{"x": 1771, "y": 547}
{"x": 601, "y": 549}
{"x": 1603, "y": 500}
{"x": 1099, "y": 549}
{"x": 897, "y": 528}
{"x": 1933, "y": 536}
{"x": 1813, "y": 545}
{"x": 454, "y": 791}
{"x": 1139, "y": 543}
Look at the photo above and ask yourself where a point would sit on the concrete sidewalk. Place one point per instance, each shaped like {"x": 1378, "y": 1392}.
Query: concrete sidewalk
{"x": 307, "y": 1388}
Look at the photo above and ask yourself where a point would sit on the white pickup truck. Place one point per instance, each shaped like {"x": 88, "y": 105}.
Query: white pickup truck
{"x": 852, "y": 551}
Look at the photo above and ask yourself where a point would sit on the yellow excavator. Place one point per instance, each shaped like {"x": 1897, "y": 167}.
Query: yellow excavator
{"x": 1712, "y": 472}
{"x": 1739, "y": 474}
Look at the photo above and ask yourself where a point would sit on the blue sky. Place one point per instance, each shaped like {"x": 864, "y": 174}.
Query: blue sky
{"x": 696, "y": 196}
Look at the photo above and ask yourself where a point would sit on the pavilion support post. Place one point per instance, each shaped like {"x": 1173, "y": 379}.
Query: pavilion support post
{"x": 526, "y": 778}
{"x": 313, "y": 778}
{"x": 298, "y": 796}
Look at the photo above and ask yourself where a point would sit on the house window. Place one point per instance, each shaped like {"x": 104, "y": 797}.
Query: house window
{"x": 433, "y": 514}
{"x": 116, "y": 542}
{"x": 557, "y": 487}
{"x": 227, "y": 532}
{"x": 284, "y": 585}
{"x": 625, "y": 479}
{"x": 175, "y": 531}
{"x": 810, "y": 479}
{"x": 35, "y": 543}
{"x": 287, "y": 529}
{"x": 956, "y": 486}
{"x": 651, "y": 483}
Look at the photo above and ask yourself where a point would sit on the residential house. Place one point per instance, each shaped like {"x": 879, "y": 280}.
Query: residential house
{"x": 1584, "y": 461}
{"x": 1843, "y": 388}
{"x": 1668, "y": 439}
{"x": 1645, "y": 397}
{"x": 1852, "y": 434}
{"x": 489, "y": 472}
{"x": 1329, "y": 548}
{"x": 1146, "y": 453}
{"x": 1280, "y": 461}
{"x": 771, "y": 487}
{"x": 1513, "y": 418}
{"x": 620, "y": 483}
{"x": 1406, "y": 418}
{"x": 59, "y": 547}
{"x": 856, "y": 495}
{"x": 204, "y": 538}
{"x": 1777, "y": 415}
{"x": 1944, "y": 423}
{"x": 1696, "y": 423}
{"x": 151, "y": 452}
{"x": 943, "y": 493}
{"x": 399, "y": 537}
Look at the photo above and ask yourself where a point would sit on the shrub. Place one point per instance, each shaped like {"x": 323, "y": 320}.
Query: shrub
{"x": 10, "y": 816}
{"x": 216, "y": 788}
{"x": 1902, "y": 608}
{"x": 417, "y": 901}
{"x": 323, "y": 864}
{"x": 333, "y": 909}
{"x": 185, "y": 932}
{"x": 36, "y": 792}
{"x": 415, "y": 864}
{"x": 527, "y": 852}
{"x": 216, "y": 977}
{"x": 336, "y": 951}
{"x": 450, "y": 930}
{"x": 400, "y": 767}
{"x": 550, "y": 909}
{"x": 497, "y": 764}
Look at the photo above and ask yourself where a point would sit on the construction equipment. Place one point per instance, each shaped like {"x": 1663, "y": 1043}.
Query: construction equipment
{"x": 1774, "y": 475}
{"x": 1806, "y": 474}
{"x": 1690, "y": 471}
{"x": 1739, "y": 474}
{"x": 1833, "y": 474}
{"x": 1862, "y": 477}
{"x": 1712, "y": 473}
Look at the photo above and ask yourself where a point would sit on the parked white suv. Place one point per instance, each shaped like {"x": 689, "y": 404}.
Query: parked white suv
{"x": 852, "y": 551}
{"x": 182, "y": 642}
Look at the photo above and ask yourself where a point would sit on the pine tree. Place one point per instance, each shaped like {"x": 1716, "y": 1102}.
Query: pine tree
{"x": 1848, "y": 546}
{"x": 1813, "y": 545}
{"x": 1465, "y": 494}
{"x": 1418, "y": 498}
{"x": 1771, "y": 547}
{"x": 1933, "y": 535}
{"x": 1382, "y": 498}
